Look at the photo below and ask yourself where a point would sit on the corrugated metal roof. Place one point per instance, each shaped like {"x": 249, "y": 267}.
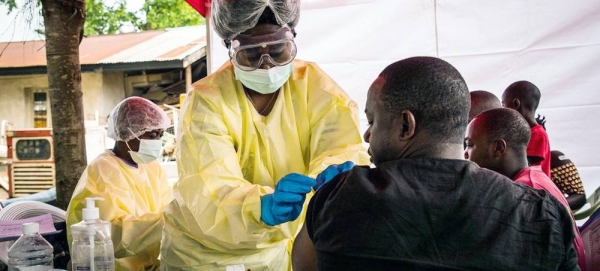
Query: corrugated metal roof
{"x": 180, "y": 43}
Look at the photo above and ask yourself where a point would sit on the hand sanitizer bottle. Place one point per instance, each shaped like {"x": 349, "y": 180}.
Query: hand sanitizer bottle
{"x": 92, "y": 248}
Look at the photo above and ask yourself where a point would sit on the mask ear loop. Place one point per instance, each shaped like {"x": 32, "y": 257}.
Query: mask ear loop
{"x": 232, "y": 46}
{"x": 128, "y": 146}
{"x": 133, "y": 136}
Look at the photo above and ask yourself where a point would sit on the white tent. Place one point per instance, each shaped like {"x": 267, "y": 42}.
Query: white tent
{"x": 554, "y": 44}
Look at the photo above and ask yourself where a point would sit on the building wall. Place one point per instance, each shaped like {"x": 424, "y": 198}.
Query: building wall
{"x": 114, "y": 92}
{"x": 13, "y": 98}
{"x": 101, "y": 92}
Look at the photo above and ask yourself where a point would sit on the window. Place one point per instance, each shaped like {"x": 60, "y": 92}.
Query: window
{"x": 40, "y": 116}
{"x": 37, "y": 111}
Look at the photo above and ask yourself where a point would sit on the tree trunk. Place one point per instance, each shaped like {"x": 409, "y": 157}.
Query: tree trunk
{"x": 63, "y": 20}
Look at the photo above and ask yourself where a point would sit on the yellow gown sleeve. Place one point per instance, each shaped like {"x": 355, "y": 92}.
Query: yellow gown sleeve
{"x": 222, "y": 209}
{"x": 136, "y": 238}
{"x": 335, "y": 133}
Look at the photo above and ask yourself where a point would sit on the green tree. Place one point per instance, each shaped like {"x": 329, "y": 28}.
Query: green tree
{"x": 102, "y": 19}
{"x": 160, "y": 14}
{"x": 155, "y": 14}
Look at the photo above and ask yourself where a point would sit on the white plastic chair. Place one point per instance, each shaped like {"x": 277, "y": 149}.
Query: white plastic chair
{"x": 25, "y": 209}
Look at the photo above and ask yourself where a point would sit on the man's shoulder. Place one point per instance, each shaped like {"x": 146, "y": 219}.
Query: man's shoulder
{"x": 538, "y": 131}
{"x": 331, "y": 187}
{"x": 536, "y": 190}
{"x": 536, "y": 172}
{"x": 415, "y": 171}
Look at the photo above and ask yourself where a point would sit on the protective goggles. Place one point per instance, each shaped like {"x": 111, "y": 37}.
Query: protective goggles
{"x": 249, "y": 52}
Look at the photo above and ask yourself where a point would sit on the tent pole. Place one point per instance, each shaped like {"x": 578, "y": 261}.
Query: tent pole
{"x": 208, "y": 44}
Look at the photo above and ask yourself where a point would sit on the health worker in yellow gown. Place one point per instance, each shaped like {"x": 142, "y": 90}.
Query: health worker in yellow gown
{"x": 249, "y": 133}
{"x": 131, "y": 181}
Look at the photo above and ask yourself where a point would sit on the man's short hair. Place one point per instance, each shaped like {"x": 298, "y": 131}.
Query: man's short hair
{"x": 433, "y": 90}
{"x": 506, "y": 124}
{"x": 482, "y": 100}
{"x": 526, "y": 92}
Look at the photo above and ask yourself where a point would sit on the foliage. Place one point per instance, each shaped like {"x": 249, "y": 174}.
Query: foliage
{"x": 155, "y": 14}
{"x": 11, "y": 4}
{"x": 162, "y": 14}
{"x": 102, "y": 18}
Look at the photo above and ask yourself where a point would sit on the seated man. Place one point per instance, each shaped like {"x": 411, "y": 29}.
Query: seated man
{"x": 524, "y": 97}
{"x": 497, "y": 140}
{"x": 134, "y": 186}
{"x": 482, "y": 100}
{"x": 566, "y": 177}
{"x": 424, "y": 207}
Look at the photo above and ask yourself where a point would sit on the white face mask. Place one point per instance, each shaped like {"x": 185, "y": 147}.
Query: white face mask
{"x": 264, "y": 81}
{"x": 150, "y": 150}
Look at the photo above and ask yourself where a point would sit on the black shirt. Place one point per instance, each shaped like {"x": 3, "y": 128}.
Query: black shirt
{"x": 436, "y": 214}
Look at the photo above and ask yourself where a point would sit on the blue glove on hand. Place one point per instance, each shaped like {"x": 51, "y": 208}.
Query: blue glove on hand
{"x": 285, "y": 204}
{"x": 331, "y": 171}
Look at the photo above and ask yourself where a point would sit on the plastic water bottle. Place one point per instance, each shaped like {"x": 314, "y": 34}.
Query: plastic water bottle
{"x": 31, "y": 252}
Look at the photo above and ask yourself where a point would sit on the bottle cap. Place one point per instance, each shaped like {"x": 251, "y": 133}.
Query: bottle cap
{"x": 30, "y": 227}
{"x": 90, "y": 211}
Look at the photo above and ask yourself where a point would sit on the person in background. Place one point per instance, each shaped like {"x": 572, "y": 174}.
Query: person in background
{"x": 497, "y": 139}
{"x": 131, "y": 181}
{"x": 524, "y": 97}
{"x": 424, "y": 207}
{"x": 253, "y": 136}
{"x": 482, "y": 100}
{"x": 566, "y": 177}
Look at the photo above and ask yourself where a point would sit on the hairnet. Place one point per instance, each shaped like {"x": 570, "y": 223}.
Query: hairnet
{"x": 232, "y": 17}
{"x": 133, "y": 117}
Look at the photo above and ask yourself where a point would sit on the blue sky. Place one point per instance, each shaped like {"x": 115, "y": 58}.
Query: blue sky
{"x": 20, "y": 26}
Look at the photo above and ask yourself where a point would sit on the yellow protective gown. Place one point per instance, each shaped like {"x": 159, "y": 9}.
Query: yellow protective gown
{"x": 229, "y": 156}
{"x": 134, "y": 200}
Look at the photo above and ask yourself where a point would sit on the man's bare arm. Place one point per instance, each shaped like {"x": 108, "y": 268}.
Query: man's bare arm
{"x": 303, "y": 253}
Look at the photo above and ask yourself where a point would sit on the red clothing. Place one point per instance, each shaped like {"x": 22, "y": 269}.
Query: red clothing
{"x": 536, "y": 179}
{"x": 539, "y": 146}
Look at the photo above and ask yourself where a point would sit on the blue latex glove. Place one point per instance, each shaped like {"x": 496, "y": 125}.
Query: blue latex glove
{"x": 285, "y": 204}
{"x": 331, "y": 171}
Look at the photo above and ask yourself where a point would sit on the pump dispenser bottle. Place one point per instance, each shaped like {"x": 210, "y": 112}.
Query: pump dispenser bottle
{"x": 92, "y": 247}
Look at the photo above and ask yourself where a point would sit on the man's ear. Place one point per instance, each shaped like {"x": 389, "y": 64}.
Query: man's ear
{"x": 516, "y": 104}
{"x": 407, "y": 125}
{"x": 499, "y": 146}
